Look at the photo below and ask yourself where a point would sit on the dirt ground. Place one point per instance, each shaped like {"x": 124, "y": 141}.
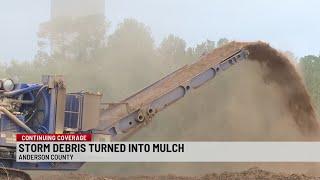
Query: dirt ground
{"x": 252, "y": 173}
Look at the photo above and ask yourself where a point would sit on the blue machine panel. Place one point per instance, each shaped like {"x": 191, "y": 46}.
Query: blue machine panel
{"x": 34, "y": 108}
{"x": 73, "y": 111}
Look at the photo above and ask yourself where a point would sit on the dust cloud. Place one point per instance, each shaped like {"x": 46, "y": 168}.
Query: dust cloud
{"x": 280, "y": 71}
{"x": 260, "y": 99}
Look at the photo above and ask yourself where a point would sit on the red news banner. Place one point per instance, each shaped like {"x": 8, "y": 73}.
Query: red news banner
{"x": 53, "y": 137}
{"x": 50, "y": 147}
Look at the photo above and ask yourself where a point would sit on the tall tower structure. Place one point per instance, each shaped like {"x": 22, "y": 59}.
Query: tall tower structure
{"x": 72, "y": 10}
{"x": 77, "y": 8}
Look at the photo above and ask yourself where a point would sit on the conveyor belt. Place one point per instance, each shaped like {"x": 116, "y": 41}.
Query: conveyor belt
{"x": 121, "y": 120}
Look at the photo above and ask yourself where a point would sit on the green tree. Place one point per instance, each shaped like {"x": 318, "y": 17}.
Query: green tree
{"x": 129, "y": 59}
{"x": 222, "y": 42}
{"x": 69, "y": 38}
{"x": 172, "y": 46}
{"x": 131, "y": 39}
{"x": 311, "y": 71}
{"x": 203, "y": 48}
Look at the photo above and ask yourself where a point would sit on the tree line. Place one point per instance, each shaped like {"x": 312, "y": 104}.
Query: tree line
{"x": 121, "y": 62}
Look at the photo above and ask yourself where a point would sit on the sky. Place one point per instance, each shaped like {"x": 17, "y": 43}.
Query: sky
{"x": 289, "y": 25}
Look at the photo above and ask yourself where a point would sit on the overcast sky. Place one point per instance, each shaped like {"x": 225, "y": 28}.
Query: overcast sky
{"x": 292, "y": 25}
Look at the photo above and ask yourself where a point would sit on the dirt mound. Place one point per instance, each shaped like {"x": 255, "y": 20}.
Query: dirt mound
{"x": 253, "y": 173}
